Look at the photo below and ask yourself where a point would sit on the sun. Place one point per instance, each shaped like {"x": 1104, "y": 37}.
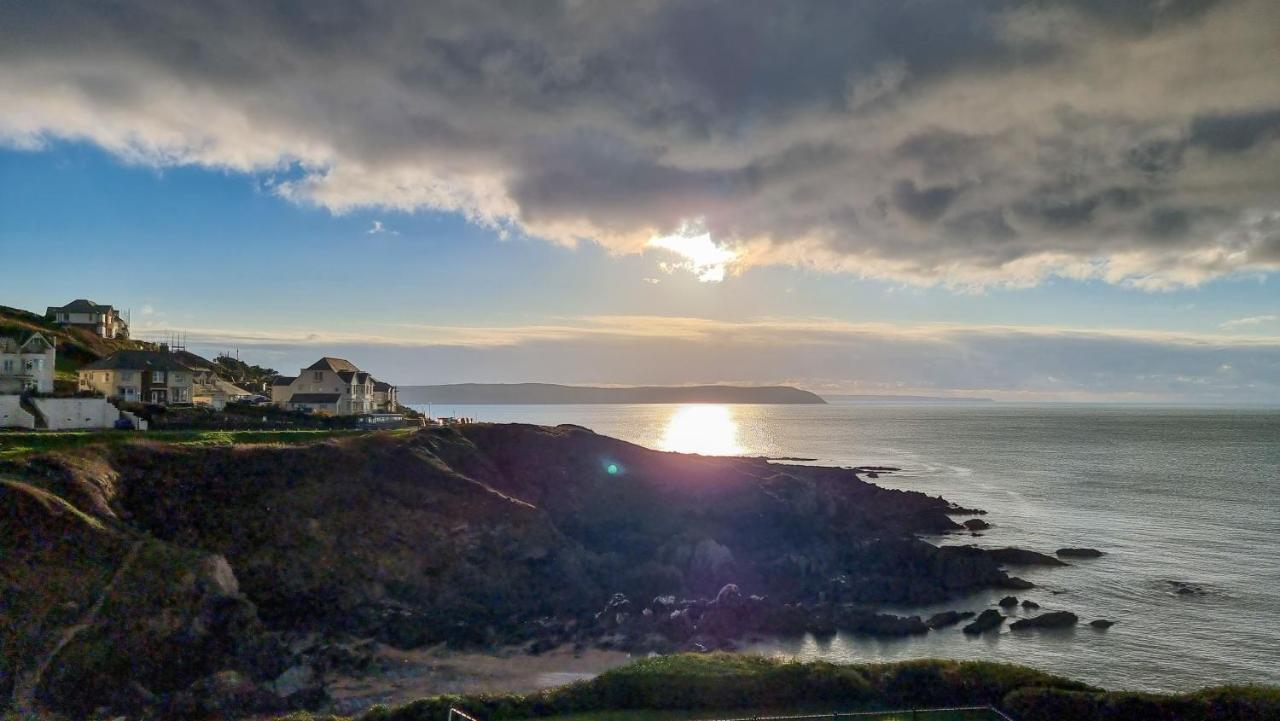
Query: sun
{"x": 701, "y": 255}
{"x": 708, "y": 430}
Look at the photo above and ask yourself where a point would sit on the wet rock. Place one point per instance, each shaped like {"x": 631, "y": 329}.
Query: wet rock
{"x": 1009, "y": 602}
{"x": 1030, "y": 605}
{"x": 1102, "y": 624}
{"x": 976, "y": 524}
{"x": 1017, "y": 584}
{"x": 1183, "y": 588}
{"x": 1052, "y": 619}
{"x": 1078, "y": 552}
{"x": 947, "y": 618}
{"x": 985, "y": 621}
{"x": 1023, "y": 557}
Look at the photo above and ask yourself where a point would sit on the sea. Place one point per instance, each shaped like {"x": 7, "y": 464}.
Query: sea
{"x": 1177, "y": 498}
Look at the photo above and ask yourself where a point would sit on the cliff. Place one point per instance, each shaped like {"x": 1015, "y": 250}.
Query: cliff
{"x": 149, "y": 576}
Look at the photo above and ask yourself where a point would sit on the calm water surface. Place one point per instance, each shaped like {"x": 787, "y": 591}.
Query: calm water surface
{"x": 1170, "y": 494}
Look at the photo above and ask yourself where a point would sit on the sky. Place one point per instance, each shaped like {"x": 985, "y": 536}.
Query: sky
{"x": 1027, "y": 201}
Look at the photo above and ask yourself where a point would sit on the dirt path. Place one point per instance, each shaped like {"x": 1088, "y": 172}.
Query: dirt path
{"x": 26, "y": 683}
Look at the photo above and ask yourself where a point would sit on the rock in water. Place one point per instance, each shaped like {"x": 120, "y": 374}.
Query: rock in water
{"x": 1078, "y": 552}
{"x": 1102, "y": 624}
{"x": 947, "y": 618}
{"x": 1009, "y": 602}
{"x": 1023, "y": 557}
{"x": 976, "y": 524}
{"x": 1052, "y": 619}
{"x": 1029, "y": 604}
{"x": 985, "y": 621}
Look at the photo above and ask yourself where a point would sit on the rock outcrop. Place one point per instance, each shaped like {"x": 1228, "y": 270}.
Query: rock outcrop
{"x": 476, "y": 536}
{"x": 986, "y": 621}
{"x": 1051, "y": 619}
{"x": 1078, "y": 552}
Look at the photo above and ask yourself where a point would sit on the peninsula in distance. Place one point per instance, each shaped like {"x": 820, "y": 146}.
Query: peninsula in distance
{"x": 550, "y": 393}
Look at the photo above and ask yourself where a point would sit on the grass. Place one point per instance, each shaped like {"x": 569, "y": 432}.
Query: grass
{"x": 923, "y": 715}
{"x": 18, "y": 444}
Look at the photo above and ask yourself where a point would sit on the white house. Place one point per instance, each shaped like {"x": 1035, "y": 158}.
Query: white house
{"x": 334, "y": 386}
{"x": 104, "y": 320}
{"x": 27, "y": 366}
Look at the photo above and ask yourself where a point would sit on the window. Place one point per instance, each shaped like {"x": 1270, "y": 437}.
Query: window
{"x": 8, "y": 366}
{"x": 319, "y": 376}
{"x": 126, "y": 375}
{"x": 157, "y": 376}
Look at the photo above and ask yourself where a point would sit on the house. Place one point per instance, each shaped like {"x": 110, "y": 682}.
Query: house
{"x": 281, "y": 389}
{"x": 217, "y": 393}
{"x": 140, "y": 375}
{"x": 335, "y": 386}
{"x": 28, "y": 365}
{"x": 103, "y": 320}
{"x": 384, "y": 397}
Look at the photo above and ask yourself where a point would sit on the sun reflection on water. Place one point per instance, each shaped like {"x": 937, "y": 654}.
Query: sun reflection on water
{"x": 702, "y": 428}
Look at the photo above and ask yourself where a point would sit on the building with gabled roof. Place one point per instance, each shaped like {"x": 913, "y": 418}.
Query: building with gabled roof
{"x": 104, "y": 320}
{"x": 140, "y": 375}
{"x": 28, "y": 365}
{"x": 311, "y": 389}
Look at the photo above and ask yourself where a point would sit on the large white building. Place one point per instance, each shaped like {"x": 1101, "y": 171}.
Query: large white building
{"x": 103, "y": 320}
{"x": 334, "y": 386}
{"x": 27, "y": 366}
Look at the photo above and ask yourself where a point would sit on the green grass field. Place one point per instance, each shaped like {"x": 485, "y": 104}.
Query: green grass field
{"x": 17, "y": 444}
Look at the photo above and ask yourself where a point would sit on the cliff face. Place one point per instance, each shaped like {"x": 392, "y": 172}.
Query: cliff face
{"x": 175, "y": 564}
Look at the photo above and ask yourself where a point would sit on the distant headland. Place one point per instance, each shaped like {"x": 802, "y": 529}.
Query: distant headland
{"x": 549, "y": 393}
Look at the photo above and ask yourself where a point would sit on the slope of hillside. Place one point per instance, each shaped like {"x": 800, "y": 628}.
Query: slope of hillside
{"x": 76, "y": 346}
{"x": 479, "y": 536}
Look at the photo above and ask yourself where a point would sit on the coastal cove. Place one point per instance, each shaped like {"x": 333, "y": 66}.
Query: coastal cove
{"x": 1171, "y": 495}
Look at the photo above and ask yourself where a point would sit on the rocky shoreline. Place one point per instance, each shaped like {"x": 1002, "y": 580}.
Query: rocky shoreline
{"x": 238, "y": 579}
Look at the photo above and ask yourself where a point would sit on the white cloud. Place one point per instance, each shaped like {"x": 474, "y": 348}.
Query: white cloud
{"x": 379, "y": 229}
{"x": 1250, "y": 321}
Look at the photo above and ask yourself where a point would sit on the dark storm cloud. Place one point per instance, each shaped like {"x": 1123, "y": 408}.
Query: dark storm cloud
{"x": 934, "y": 141}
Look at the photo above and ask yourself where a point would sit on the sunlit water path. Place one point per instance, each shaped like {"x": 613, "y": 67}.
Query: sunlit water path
{"x": 1170, "y": 494}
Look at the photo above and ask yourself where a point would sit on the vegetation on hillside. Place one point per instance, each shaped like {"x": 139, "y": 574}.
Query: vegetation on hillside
{"x": 76, "y": 346}
{"x": 725, "y": 686}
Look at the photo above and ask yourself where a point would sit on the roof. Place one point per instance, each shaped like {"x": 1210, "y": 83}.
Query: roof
{"x": 191, "y": 360}
{"x": 30, "y": 345}
{"x": 381, "y": 386}
{"x": 231, "y": 389}
{"x": 315, "y": 398}
{"x": 132, "y": 360}
{"x": 360, "y": 376}
{"x": 332, "y": 364}
{"x": 81, "y": 305}
{"x": 283, "y": 380}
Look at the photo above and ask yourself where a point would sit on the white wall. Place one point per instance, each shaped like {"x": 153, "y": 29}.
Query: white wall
{"x": 12, "y": 414}
{"x": 69, "y": 413}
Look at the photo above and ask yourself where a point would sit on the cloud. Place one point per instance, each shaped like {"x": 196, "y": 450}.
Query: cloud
{"x": 379, "y": 229}
{"x": 1249, "y": 322}
{"x": 965, "y": 144}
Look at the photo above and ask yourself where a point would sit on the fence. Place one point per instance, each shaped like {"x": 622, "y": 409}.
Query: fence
{"x": 948, "y": 713}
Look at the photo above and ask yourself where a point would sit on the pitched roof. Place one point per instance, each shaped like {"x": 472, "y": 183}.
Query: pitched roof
{"x": 283, "y": 380}
{"x": 132, "y": 360}
{"x": 332, "y": 364}
{"x": 360, "y": 376}
{"x": 192, "y": 361}
{"x": 381, "y": 386}
{"x": 11, "y": 345}
{"x": 314, "y": 398}
{"x": 81, "y": 305}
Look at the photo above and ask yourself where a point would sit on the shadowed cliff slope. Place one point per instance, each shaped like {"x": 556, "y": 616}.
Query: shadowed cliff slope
{"x": 203, "y": 561}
